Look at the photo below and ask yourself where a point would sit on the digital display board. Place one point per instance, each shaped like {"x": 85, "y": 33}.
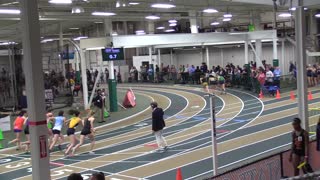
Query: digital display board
{"x": 112, "y": 54}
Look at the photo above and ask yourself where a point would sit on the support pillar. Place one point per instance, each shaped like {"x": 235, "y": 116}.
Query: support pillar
{"x": 275, "y": 47}
{"x": 151, "y": 27}
{"x": 125, "y": 27}
{"x": 274, "y": 21}
{"x": 193, "y": 22}
{"x": 301, "y": 66}
{"x": 246, "y": 52}
{"x": 84, "y": 79}
{"x": 159, "y": 58}
{"x": 283, "y": 69}
{"x": 171, "y": 57}
{"x": 61, "y": 64}
{"x": 112, "y": 83}
{"x": 259, "y": 51}
{"x": 107, "y": 27}
{"x": 208, "y": 57}
{"x": 35, "y": 89}
{"x": 151, "y": 63}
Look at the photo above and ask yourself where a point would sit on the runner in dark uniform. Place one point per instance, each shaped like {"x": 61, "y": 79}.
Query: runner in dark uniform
{"x": 87, "y": 131}
{"x": 299, "y": 147}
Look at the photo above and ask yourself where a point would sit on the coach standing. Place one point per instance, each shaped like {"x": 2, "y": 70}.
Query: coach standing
{"x": 157, "y": 126}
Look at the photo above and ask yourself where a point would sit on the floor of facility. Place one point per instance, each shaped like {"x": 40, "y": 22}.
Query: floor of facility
{"x": 247, "y": 128}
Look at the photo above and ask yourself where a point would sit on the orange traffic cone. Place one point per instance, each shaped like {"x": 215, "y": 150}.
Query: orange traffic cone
{"x": 261, "y": 95}
{"x": 292, "y": 96}
{"x": 278, "y": 95}
{"x": 310, "y": 96}
{"x": 179, "y": 174}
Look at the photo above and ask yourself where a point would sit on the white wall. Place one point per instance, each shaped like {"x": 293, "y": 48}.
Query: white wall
{"x": 165, "y": 59}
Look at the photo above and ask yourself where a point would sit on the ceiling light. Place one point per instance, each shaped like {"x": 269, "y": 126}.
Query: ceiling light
{"x": 139, "y": 31}
{"x": 226, "y": 19}
{"x": 317, "y": 15}
{"x": 285, "y": 15}
{"x": 172, "y": 21}
{"x": 7, "y": 43}
{"x": 9, "y": 11}
{"x": 210, "y": 10}
{"x": 214, "y": 23}
{"x": 103, "y": 14}
{"x": 123, "y": 5}
{"x": 77, "y": 10}
{"x": 98, "y": 22}
{"x": 60, "y": 1}
{"x": 134, "y": 3}
{"x": 293, "y": 9}
{"x": 305, "y": 8}
{"x": 10, "y": 3}
{"x": 152, "y": 17}
{"x": 163, "y": 6}
{"x": 172, "y": 24}
{"x": 227, "y": 15}
{"x": 74, "y": 28}
{"x": 47, "y": 40}
{"x": 114, "y": 34}
{"x": 160, "y": 28}
{"x": 169, "y": 30}
{"x": 118, "y": 4}
{"x": 80, "y": 37}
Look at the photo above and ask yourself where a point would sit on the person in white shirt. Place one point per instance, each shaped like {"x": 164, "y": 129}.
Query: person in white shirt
{"x": 269, "y": 77}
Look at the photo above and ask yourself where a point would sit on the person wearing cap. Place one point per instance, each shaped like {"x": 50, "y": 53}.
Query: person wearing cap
{"x": 299, "y": 146}
{"x": 158, "y": 125}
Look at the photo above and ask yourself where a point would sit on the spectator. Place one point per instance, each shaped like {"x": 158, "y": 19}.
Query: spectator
{"x": 204, "y": 68}
{"x": 269, "y": 77}
{"x": 277, "y": 75}
{"x": 299, "y": 146}
{"x": 197, "y": 75}
{"x": 98, "y": 176}
{"x": 75, "y": 176}
{"x": 173, "y": 72}
{"x": 106, "y": 72}
{"x": 191, "y": 73}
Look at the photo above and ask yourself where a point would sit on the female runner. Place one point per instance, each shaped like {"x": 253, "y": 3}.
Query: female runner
{"x": 18, "y": 126}
{"x": 73, "y": 123}
{"x": 87, "y": 131}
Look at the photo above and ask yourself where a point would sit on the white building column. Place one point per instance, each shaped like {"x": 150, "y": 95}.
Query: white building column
{"x": 107, "y": 27}
{"x": 301, "y": 66}
{"x": 151, "y": 27}
{"x": 125, "y": 27}
{"x": 35, "y": 89}
{"x": 61, "y": 64}
{"x": 159, "y": 58}
{"x": 275, "y": 47}
{"x": 283, "y": 69}
{"x": 193, "y": 22}
{"x": 84, "y": 79}
{"x": 208, "y": 57}
{"x": 171, "y": 57}
{"x": 246, "y": 52}
{"x": 259, "y": 51}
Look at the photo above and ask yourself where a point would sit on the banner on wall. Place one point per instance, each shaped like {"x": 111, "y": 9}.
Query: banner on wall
{"x": 265, "y": 169}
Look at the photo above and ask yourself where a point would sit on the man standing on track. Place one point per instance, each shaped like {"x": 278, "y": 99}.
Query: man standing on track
{"x": 158, "y": 125}
{"x": 99, "y": 103}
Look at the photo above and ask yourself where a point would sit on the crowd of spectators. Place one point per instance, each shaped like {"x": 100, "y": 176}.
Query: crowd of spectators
{"x": 248, "y": 76}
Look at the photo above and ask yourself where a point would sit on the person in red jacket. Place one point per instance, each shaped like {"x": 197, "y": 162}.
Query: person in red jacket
{"x": 158, "y": 125}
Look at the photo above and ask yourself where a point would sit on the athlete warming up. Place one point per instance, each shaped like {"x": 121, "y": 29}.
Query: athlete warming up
{"x": 157, "y": 126}
{"x": 17, "y": 128}
{"x": 56, "y": 130}
{"x": 87, "y": 131}
{"x": 73, "y": 123}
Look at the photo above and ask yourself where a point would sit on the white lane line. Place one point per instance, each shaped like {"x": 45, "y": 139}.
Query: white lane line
{"x": 147, "y": 137}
